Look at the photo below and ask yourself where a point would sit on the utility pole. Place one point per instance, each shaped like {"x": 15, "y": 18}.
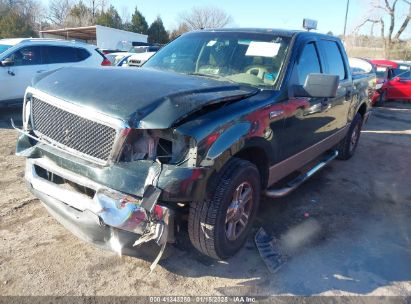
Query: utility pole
{"x": 346, "y": 16}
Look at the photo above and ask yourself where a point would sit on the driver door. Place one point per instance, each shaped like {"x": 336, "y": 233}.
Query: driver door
{"x": 400, "y": 86}
{"x": 26, "y": 63}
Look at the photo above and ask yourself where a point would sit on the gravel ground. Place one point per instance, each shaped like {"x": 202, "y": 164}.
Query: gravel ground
{"x": 349, "y": 228}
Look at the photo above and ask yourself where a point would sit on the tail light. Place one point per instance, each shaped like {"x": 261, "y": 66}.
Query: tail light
{"x": 106, "y": 62}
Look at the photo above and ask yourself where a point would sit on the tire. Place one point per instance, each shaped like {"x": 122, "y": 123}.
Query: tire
{"x": 382, "y": 99}
{"x": 347, "y": 146}
{"x": 209, "y": 221}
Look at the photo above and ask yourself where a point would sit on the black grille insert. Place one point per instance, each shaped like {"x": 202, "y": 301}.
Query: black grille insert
{"x": 83, "y": 135}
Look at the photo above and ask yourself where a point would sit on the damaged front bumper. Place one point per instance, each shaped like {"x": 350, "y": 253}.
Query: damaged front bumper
{"x": 95, "y": 213}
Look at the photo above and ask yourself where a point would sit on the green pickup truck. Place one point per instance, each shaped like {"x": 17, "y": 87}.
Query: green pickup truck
{"x": 194, "y": 138}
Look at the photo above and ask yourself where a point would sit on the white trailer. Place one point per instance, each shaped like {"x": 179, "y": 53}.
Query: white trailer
{"x": 102, "y": 36}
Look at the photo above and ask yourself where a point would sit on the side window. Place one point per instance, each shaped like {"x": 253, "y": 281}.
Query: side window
{"x": 82, "y": 54}
{"x": 308, "y": 63}
{"x": 30, "y": 55}
{"x": 405, "y": 75}
{"x": 61, "y": 54}
{"x": 334, "y": 58}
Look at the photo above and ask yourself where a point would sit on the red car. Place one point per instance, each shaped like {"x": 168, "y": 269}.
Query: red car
{"x": 393, "y": 81}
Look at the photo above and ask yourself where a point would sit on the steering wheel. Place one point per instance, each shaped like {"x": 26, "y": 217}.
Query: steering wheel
{"x": 257, "y": 71}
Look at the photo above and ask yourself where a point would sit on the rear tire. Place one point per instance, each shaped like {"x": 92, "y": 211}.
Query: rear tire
{"x": 218, "y": 226}
{"x": 347, "y": 146}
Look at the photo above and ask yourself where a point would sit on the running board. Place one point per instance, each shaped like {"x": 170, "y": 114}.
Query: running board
{"x": 292, "y": 185}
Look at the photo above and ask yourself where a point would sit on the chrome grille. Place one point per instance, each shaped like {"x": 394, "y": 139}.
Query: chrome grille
{"x": 70, "y": 130}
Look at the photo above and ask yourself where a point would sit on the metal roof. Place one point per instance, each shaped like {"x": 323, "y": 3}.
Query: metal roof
{"x": 83, "y": 33}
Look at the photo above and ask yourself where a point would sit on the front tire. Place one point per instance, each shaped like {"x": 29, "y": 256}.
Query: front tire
{"x": 347, "y": 146}
{"x": 382, "y": 99}
{"x": 218, "y": 226}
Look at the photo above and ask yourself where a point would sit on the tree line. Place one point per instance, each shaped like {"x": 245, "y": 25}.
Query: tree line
{"x": 25, "y": 18}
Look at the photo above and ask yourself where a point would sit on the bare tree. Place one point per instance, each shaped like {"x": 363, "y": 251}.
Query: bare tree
{"x": 205, "y": 17}
{"x": 181, "y": 29}
{"x": 381, "y": 10}
{"x": 59, "y": 10}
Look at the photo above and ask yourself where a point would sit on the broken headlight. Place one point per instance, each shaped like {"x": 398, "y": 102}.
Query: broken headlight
{"x": 154, "y": 145}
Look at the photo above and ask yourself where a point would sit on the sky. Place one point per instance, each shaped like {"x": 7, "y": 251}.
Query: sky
{"x": 286, "y": 14}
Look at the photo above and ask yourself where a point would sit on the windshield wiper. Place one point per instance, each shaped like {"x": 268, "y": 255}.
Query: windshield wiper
{"x": 205, "y": 75}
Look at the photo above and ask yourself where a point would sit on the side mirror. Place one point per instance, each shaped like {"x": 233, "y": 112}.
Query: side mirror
{"x": 318, "y": 86}
{"x": 7, "y": 62}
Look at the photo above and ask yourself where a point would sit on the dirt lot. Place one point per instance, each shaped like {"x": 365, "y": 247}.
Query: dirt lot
{"x": 350, "y": 226}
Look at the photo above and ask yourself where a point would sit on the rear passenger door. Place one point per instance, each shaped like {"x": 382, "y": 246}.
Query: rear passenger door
{"x": 334, "y": 62}
{"x": 61, "y": 56}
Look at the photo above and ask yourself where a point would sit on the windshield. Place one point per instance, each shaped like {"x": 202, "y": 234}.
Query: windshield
{"x": 4, "y": 47}
{"x": 248, "y": 58}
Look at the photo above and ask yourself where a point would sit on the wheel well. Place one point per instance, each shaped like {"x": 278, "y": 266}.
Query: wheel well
{"x": 363, "y": 109}
{"x": 258, "y": 157}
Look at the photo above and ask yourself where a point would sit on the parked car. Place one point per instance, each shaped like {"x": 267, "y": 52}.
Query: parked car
{"x": 395, "y": 82}
{"x": 136, "y": 56}
{"x": 116, "y": 58}
{"x": 213, "y": 121}
{"x": 22, "y": 59}
{"x": 123, "y": 62}
{"x": 137, "y": 60}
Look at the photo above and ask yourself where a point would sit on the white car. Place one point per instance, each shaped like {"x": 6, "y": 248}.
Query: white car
{"x": 22, "y": 59}
{"x": 138, "y": 60}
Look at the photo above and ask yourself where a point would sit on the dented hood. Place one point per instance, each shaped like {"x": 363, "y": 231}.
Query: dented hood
{"x": 144, "y": 98}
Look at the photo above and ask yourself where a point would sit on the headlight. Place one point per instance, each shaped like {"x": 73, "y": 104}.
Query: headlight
{"x": 154, "y": 145}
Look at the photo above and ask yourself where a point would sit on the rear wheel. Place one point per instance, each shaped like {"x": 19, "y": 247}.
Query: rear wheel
{"x": 218, "y": 227}
{"x": 347, "y": 146}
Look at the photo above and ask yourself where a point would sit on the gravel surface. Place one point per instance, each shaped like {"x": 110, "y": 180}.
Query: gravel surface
{"x": 348, "y": 231}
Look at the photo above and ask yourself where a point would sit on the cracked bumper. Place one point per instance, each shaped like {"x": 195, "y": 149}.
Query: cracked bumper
{"x": 96, "y": 214}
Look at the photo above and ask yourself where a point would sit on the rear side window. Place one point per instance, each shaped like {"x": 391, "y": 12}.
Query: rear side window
{"x": 82, "y": 54}
{"x": 63, "y": 54}
{"x": 333, "y": 58}
{"x": 308, "y": 63}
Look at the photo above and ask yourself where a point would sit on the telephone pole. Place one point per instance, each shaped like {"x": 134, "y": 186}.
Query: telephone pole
{"x": 346, "y": 16}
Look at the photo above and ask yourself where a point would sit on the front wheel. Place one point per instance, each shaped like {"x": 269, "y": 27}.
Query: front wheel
{"x": 382, "y": 99}
{"x": 218, "y": 227}
{"x": 347, "y": 146}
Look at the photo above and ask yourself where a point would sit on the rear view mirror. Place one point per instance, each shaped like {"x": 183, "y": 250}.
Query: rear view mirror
{"x": 7, "y": 62}
{"x": 319, "y": 86}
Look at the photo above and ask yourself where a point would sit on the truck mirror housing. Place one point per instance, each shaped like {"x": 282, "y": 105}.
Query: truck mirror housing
{"x": 318, "y": 86}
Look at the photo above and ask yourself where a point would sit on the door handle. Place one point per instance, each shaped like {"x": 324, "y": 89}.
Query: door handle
{"x": 348, "y": 95}
{"x": 325, "y": 104}
{"x": 40, "y": 71}
{"x": 11, "y": 73}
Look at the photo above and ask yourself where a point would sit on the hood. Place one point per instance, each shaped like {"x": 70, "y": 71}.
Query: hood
{"x": 143, "y": 98}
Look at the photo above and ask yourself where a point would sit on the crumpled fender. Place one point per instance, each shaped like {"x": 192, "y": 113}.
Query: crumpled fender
{"x": 231, "y": 139}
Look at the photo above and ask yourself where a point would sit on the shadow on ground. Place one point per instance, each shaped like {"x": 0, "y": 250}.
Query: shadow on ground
{"x": 7, "y": 113}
